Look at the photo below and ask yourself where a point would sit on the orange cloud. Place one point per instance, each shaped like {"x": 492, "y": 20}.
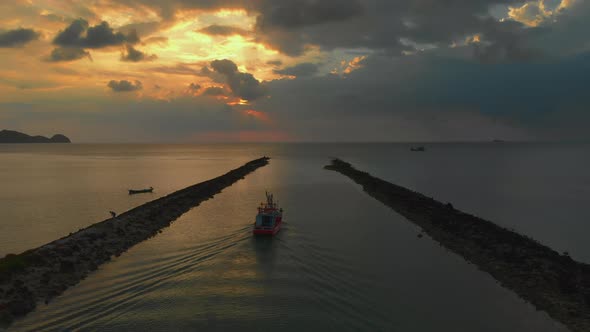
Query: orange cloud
{"x": 237, "y": 102}
{"x": 536, "y": 12}
{"x": 354, "y": 64}
{"x": 257, "y": 115}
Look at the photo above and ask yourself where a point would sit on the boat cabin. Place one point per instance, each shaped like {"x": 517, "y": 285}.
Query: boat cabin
{"x": 269, "y": 217}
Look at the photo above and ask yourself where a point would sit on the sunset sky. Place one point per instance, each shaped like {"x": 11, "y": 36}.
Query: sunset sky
{"x": 296, "y": 70}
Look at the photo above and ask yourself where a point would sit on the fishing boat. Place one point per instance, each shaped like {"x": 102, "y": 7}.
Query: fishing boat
{"x": 269, "y": 217}
{"x": 140, "y": 191}
{"x": 418, "y": 149}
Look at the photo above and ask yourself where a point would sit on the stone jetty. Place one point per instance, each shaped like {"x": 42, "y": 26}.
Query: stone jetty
{"x": 550, "y": 281}
{"x": 40, "y": 274}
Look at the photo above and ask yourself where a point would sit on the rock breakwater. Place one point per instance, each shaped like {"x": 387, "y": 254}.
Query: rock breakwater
{"x": 40, "y": 274}
{"x": 550, "y": 281}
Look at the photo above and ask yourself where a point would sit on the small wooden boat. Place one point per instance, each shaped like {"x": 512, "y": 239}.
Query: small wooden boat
{"x": 141, "y": 191}
{"x": 269, "y": 218}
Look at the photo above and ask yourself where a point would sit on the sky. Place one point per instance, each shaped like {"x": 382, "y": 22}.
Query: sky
{"x": 296, "y": 70}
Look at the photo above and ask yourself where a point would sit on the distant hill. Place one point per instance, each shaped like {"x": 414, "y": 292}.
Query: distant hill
{"x": 11, "y": 136}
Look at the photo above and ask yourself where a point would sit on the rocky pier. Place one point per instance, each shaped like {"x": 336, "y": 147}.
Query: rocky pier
{"x": 38, "y": 275}
{"x": 552, "y": 282}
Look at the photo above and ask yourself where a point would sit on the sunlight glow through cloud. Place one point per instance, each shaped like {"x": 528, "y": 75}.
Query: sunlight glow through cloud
{"x": 277, "y": 63}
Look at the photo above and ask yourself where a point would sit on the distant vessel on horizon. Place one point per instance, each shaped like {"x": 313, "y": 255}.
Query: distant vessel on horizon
{"x": 269, "y": 217}
{"x": 418, "y": 149}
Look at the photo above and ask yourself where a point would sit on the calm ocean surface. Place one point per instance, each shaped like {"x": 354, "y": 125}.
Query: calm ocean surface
{"x": 343, "y": 262}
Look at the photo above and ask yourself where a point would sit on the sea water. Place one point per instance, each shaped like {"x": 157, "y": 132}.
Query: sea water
{"x": 342, "y": 261}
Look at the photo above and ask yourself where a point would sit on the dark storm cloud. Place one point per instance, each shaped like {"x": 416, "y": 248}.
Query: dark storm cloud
{"x": 525, "y": 90}
{"x": 18, "y": 37}
{"x": 567, "y": 34}
{"x": 299, "y": 13}
{"x": 482, "y": 90}
{"x": 64, "y": 54}
{"x": 242, "y": 85}
{"x": 225, "y": 67}
{"x": 299, "y": 70}
{"x": 275, "y": 62}
{"x": 506, "y": 42}
{"x": 142, "y": 28}
{"x": 130, "y": 54}
{"x": 223, "y": 30}
{"x": 214, "y": 91}
{"x": 125, "y": 86}
{"x": 80, "y": 34}
{"x": 290, "y": 26}
{"x": 432, "y": 97}
{"x": 378, "y": 25}
{"x": 193, "y": 87}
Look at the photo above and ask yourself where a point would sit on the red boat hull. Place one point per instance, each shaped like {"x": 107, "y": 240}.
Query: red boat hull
{"x": 270, "y": 232}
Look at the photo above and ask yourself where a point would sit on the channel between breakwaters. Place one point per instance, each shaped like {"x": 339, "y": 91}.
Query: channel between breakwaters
{"x": 40, "y": 274}
{"x": 550, "y": 281}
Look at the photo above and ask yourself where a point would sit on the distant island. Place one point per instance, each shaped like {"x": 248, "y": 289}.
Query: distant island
{"x": 11, "y": 136}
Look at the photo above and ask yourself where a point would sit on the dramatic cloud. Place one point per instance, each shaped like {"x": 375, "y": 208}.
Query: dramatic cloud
{"x": 274, "y": 62}
{"x": 133, "y": 55}
{"x": 505, "y": 42}
{"x": 214, "y": 91}
{"x": 80, "y": 34}
{"x": 223, "y": 30}
{"x": 299, "y": 13}
{"x": 125, "y": 86}
{"x": 390, "y": 26}
{"x": 368, "y": 69}
{"x": 568, "y": 34}
{"x": 18, "y": 37}
{"x": 193, "y": 88}
{"x": 430, "y": 98}
{"x": 61, "y": 54}
{"x": 242, "y": 85}
{"x": 225, "y": 67}
{"x": 355, "y": 64}
{"x": 142, "y": 28}
{"x": 299, "y": 70}
{"x": 531, "y": 13}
